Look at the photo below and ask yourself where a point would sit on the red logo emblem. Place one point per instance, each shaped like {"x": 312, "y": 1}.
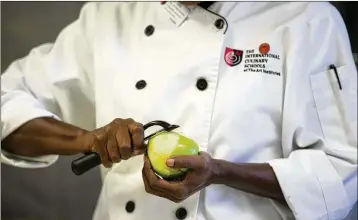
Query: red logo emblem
{"x": 233, "y": 57}
{"x": 264, "y": 48}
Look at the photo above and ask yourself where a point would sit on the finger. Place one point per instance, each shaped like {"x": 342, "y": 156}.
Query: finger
{"x": 100, "y": 147}
{"x": 176, "y": 190}
{"x": 137, "y": 133}
{"x": 156, "y": 192}
{"x": 191, "y": 162}
{"x": 139, "y": 152}
{"x": 148, "y": 169}
{"x": 123, "y": 141}
{"x": 112, "y": 147}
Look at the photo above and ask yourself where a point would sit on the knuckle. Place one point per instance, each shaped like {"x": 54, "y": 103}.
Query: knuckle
{"x": 115, "y": 157}
{"x": 125, "y": 148}
{"x": 185, "y": 163}
{"x": 111, "y": 127}
{"x": 98, "y": 137}
{"x": 125, "y": 152}
{"x": 129, "y": 120}
{"x": 117, "y": 121}
{"x": 95, "y": 148}
{"x": 137, "y": 127}
{"x": 138, "y": 147}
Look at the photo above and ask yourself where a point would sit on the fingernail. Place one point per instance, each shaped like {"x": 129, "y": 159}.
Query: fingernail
{"x": 170, "y": 162}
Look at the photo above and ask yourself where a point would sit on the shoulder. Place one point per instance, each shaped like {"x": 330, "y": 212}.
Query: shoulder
{"x": 114, "y": 15}
{"x": 322, "y": 11}
{"x": 119, "y": 8}
{"x": 323, "y": 18}
{"x": 282, "y": 11}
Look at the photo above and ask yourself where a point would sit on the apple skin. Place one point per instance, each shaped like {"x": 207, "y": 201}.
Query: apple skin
{"x": 166, "y": 145}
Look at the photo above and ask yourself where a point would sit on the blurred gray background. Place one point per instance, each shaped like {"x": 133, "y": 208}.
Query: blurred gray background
{"x": 55, "y": 193}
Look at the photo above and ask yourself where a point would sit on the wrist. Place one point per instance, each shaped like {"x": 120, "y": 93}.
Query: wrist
{"x": 82, "y": 142}
{"x": 217, "y": 171}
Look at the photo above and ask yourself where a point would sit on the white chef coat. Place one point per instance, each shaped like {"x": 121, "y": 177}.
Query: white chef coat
{"x": 243, "y": 104}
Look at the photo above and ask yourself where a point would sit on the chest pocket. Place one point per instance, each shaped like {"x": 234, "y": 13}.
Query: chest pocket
{"x": 337, "y": 108}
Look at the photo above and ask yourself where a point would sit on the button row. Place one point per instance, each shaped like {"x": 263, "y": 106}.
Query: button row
{"x": 141, "y": 84}
{"x": 149, "y": 30}
{"x": 180, "y": 213}
{"x": 130, "y": 206}
{"x": 201, "y": 84}
{"x": 219, "y": 24}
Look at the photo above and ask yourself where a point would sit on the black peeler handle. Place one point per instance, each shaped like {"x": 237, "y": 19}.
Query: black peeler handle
{"x": 85, "y": 163}
{"x": 91, "y": 160}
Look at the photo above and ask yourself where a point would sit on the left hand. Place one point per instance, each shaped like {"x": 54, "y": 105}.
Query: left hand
{"x": 200, "y": 175}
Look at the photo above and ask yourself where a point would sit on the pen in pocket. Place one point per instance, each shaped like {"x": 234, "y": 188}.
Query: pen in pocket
{"x": 333, "y": 67}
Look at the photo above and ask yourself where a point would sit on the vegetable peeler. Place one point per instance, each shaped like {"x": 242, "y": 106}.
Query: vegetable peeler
{"x": 91, "y": 160}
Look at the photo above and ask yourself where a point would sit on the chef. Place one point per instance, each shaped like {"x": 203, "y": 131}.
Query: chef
{"x": 267, "y": 89}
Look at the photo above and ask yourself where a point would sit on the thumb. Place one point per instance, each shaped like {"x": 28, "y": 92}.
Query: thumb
{"x": 191, "y": 162}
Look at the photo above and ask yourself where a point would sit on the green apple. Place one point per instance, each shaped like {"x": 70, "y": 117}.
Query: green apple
{"x": 166, "y": 145}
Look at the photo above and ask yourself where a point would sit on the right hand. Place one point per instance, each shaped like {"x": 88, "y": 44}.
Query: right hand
{"x": 119, "y": 140}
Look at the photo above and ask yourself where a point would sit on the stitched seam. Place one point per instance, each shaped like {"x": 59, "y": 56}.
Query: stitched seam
{"x": 325, "y": 201}
{"x": 320, "y": 122}
{"x": 315, "y": 103}
{"x": 227, "y": 23}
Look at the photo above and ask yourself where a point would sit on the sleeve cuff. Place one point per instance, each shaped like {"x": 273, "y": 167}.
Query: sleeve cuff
{"x": 312, "y": 187}
{"x": 15, "y": 112}
{"x": 27, "y": 162}
{"x": 21, "y": 109}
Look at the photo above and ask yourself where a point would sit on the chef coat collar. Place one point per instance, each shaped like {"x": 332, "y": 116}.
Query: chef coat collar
{"x": 207, "y": 7}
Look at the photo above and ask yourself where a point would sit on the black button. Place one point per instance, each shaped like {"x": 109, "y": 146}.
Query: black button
{"x": 181, "y": 213}
{"x": 219, "y": 24}
{"x": 149, "y": 30}
{"x": 130, "y": 206}
{"x": 201, "y": 84}
{"x": 141, "y": 84}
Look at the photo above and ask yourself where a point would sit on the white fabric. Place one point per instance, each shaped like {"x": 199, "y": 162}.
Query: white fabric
{"x": 289, "y": 113}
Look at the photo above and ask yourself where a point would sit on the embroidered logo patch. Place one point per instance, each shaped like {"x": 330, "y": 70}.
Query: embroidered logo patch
{"x": 233, "y": 57}
{"x": 262, "y": 61}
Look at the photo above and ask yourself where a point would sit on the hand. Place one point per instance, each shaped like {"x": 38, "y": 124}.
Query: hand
{"x": 119, "y": 140}
{"x": 200, "y": 175}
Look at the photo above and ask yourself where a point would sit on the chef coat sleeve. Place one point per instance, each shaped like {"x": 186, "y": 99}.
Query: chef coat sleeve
{"x": 31, "y": 86}
{"x": 318, "y": 174}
